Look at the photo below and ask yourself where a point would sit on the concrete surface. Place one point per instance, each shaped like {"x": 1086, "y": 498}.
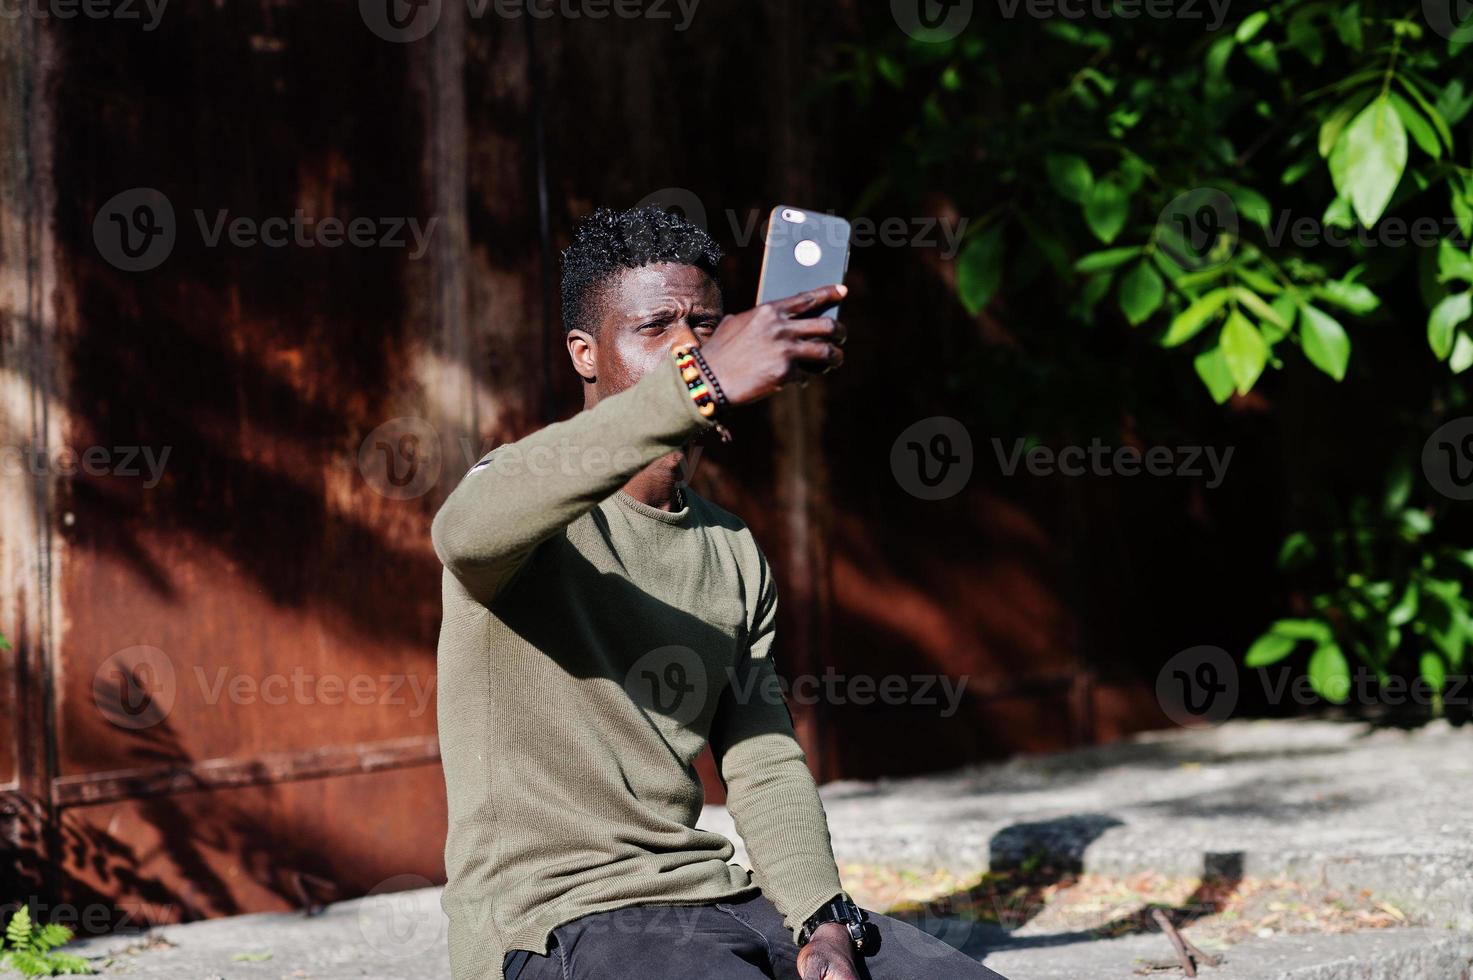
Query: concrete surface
{"x": 1334, "y": 803}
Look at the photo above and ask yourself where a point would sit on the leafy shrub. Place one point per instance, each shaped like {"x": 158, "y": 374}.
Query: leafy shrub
{"x": 31, "y": 949}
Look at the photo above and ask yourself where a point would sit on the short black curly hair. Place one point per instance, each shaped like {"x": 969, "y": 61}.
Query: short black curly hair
{"x": 609, "y": 241}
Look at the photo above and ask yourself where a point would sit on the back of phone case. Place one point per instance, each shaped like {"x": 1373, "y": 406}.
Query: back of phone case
{"x": 805, "y": 250}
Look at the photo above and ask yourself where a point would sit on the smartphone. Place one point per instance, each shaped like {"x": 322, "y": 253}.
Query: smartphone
{"x": 805, "y": 250}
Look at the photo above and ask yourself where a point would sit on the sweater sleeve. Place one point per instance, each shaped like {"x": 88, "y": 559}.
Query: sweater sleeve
{"x": 770, "y": 793}
{"x": 522, "y": 493}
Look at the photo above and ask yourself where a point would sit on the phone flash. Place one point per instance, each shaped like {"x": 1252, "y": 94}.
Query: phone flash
{"x": 793, "y": 215}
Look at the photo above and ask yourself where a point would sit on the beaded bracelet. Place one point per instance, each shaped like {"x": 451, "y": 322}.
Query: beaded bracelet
{"x": 701, "y": 383}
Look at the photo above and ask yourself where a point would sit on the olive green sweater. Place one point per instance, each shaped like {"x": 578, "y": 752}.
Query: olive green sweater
{"x": 591, "y": 647}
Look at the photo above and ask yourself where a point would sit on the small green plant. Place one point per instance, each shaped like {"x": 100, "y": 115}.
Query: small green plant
{"x": 31, "y": 948}
{"x": 1385, "y": 590}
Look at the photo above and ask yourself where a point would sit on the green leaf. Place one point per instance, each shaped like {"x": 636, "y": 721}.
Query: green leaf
{"x": 1334, "y": 125}
{"x": 1453, "y": 264}
{"x": 1353, "y": 297}
{"x": 1305, "y": 37}
{"x": 1190, "y": 321}
{"x": 1347, "y": 25}
{"x": 1070, "y": 175}
{"x": 1268, "y": 649}
{"x": 1444, "y": 320}
{"x": 1461, "y": 358}
{"x": 1215, "y": 80}
{"x": 1107, "y": 259}
{"x": 1428, "y": 109}
{"x": 1251, "y": 205}
{"x": 1250, "y": 26}
{"x": 1417, "y": 125}
{"x": 1325, "y": 342}
{"x": 1211, "y": 367}
{"x": 1329, "y": 673}
{"x": 1141, "y": 293}
{"x": 1261, "y": 309}
{"x": 18, "y": 929}
{"x": 1286, "y": 307}
{"x": 1369, "y": 158}
{"x": 1094, "y": 290}
{"x": 979, "y": 269}
{"x": 1106, "y": 209}
{"x": 1462, "y": 207}
{"x": 1433, "y": 671}
{"x": 1245, "y": 350}
{"x": 1302, "y": 629}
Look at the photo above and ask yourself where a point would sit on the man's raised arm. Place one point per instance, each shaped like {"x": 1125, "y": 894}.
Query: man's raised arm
{"x": 520, "y": 494}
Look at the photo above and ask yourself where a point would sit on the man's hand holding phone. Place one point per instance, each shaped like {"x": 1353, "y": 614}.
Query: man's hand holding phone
{"x": 758, "y": 353}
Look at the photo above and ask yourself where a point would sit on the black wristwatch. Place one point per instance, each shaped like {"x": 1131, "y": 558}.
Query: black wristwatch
{"x": 847, "y": 914}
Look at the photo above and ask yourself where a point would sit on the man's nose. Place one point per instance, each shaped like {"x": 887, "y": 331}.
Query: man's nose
{"x": 685, "y": 334}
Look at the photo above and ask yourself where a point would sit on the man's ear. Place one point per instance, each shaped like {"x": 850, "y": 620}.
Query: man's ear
{"x": 583, "y": 349}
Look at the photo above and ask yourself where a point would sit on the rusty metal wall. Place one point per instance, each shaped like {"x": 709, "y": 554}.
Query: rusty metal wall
{"x": 221, "y": 687}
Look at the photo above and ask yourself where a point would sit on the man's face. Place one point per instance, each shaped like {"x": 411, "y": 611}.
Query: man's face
{"x": 643, "y": 312}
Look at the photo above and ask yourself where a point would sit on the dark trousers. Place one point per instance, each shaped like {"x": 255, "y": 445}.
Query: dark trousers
{"x": 738, "y": 940}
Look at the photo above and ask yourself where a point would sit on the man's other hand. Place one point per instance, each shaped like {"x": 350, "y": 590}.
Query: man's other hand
{"x": 828, "y": 955}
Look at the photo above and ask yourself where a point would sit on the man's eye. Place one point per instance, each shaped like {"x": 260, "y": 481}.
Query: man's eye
{"x": 655, "y": 327}
{"x": 706, "y": 327}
